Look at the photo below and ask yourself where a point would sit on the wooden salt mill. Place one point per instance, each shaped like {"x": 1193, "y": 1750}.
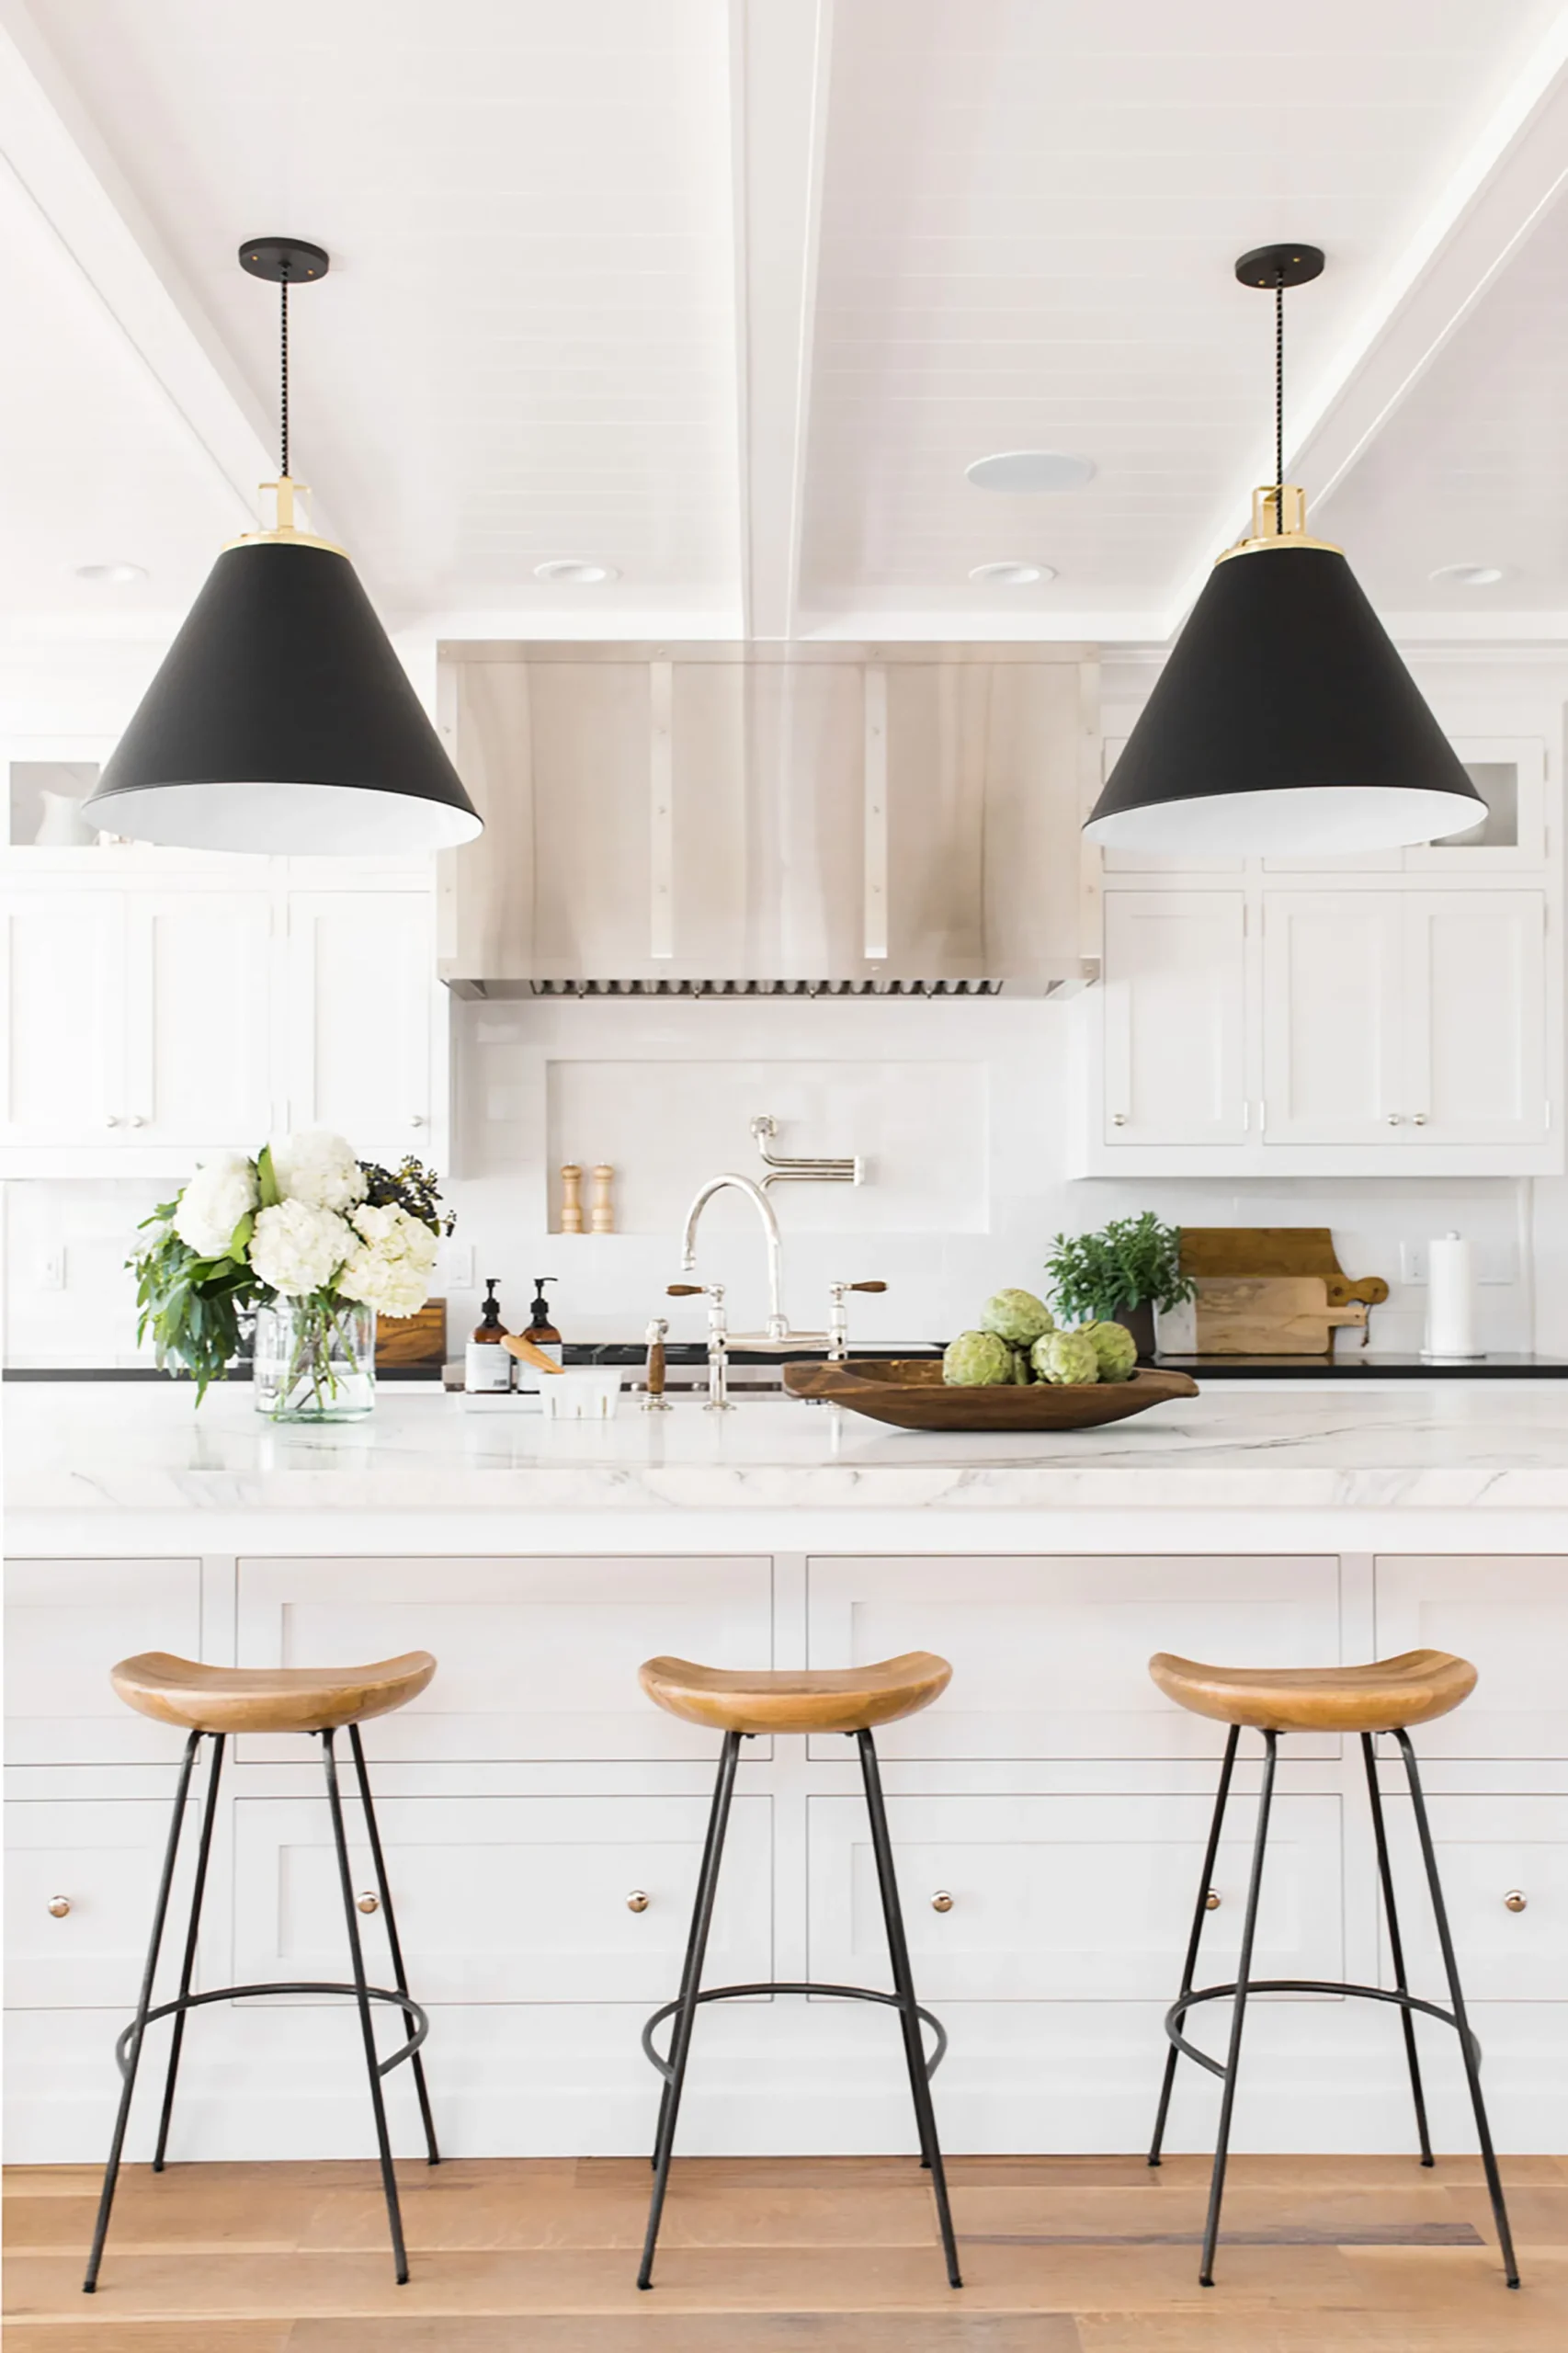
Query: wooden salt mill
{"x": 601, "y": 1217}
{"x": 571, "y": 1198}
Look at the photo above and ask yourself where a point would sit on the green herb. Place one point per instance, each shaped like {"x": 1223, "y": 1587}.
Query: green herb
{"x": 192, "y": 1306}
{"x": 1136, "y": 1261}
{"x": 412, "y": 1187}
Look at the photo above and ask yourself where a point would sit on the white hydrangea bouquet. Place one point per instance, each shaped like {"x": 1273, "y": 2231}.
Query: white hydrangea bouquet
{"x": 317, "y": 1243}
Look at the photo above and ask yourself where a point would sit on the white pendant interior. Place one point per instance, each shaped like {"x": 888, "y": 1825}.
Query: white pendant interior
{"x": 1296, "y": 821}
{"x": 284, "y": 820}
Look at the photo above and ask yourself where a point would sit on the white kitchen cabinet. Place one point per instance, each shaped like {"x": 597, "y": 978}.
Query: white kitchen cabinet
{"x": 67, "y": 1623}
{"x": 1333, "y": 1006}
{"x": 199, "y": 1051}
{"x": 361, "y": 1004}
{"x": 1508, "y": 1615}
{"x": 1474, "y": 1066}
{"x": 63, "y": 1027}
{"x": 1489, "y": 1849}
{"x": 1174, "y": 1012}
{"x": 100, "y": 1860}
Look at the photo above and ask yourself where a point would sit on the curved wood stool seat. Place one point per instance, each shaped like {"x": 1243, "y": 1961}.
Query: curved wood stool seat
{"x": 1390, "y": 1695}
{"x": 742, "y": 1706}
{"x": 847, "y": 1699}
{"x": 200, "y": 1698}
{"x": 213, "y": 1703}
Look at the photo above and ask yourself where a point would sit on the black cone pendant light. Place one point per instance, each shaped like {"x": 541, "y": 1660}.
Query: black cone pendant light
{"x": 281, "y": 719}
{"x": 1284, "y": 720}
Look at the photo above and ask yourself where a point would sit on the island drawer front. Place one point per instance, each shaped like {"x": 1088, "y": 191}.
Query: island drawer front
{"x": 507, "y": 1899}
{"x": 1508, "y": 1615}
{"x": 538, "y": 1657}
{"x": 1488, "y": 1849}
{"x": 103, "y": 1856}
{"x": 1049, "y": 1655}
{"x": 1072, "y": 1898}
{"x": 67, "y": 1622}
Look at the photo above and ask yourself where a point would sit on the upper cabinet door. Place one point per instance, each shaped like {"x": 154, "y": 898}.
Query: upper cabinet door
{"x": 1475, "y": 998}
{"x": 1333, "y": 1052}
{"x": 361, "y": 993}
{"x": 63, "y": 1029}
{"x": 1175, "y": 1017}
{"x": 198, "y": 1063}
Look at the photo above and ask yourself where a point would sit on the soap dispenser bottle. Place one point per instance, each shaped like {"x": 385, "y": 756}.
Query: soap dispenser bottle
{"x": 487, "y": 1367}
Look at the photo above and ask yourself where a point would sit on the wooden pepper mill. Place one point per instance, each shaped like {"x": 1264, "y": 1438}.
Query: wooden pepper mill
{"x": 601, "y": 1216}
{"x": 571, "y": 1198}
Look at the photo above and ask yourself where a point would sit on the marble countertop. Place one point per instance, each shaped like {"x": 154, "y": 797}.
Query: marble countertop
{"x": 89, "y": 1448}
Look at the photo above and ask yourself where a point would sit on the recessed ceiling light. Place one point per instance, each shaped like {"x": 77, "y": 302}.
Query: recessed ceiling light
{"x": 1031, "y": 470}
{"x": 574, "y": 572}
{"x": 116, "y": 575}
{"x": 1469, "y": 576}
{"x": 1012, "y": 575}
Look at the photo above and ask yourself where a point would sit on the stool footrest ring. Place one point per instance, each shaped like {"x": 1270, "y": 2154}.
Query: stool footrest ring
{"x": 837, "y": 1993}
{"x": 1186, "y": 2002}
{"x": 418, "y": 2023}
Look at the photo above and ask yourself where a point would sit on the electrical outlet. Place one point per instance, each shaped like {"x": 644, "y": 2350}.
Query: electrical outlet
{"x": 1413, "y": 1262}
{"x": 52, "y": 1268}
{"x": 460, "y": 1265}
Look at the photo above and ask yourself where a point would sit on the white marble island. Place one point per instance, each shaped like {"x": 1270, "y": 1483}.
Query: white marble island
{"x": 1053, "y": 1792}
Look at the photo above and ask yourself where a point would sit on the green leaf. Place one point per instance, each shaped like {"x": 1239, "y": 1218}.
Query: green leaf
{"x": 239, "y": 1241}
{"x": 267, "y": 1177}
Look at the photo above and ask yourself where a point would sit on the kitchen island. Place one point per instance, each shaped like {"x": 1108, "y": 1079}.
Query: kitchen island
{"x": 531, "y": 1792}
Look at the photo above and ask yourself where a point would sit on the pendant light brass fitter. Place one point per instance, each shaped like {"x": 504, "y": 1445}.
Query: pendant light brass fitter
{"x": 281, "y": 719}
{"x": 1284, "y": 721}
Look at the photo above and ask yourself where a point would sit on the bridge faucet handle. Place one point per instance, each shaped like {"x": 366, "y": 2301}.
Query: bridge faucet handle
{"x": 684, "y": 1291}
{"x": 865, "y": 1286}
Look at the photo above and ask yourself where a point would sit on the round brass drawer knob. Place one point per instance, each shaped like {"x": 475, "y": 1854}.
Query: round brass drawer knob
{"x": 1211, "y": 1901}
{"x": 1515, "y": 1901}
{"x": 59, "y": 1905}
{"x": 366, "y": 1902}
{"x": 637, "y": 1901}
{"x": 941, "y": 1901}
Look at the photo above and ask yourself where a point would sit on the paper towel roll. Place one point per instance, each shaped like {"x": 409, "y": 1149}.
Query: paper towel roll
{"x": 1451, "y": 1299}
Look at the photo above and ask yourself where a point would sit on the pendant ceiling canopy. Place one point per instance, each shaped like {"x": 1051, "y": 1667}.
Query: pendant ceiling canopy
{"x": 281, "y": 720}
{"x": 1284, "y": 721}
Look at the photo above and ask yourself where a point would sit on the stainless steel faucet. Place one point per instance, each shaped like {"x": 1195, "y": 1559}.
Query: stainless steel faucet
{"x": 777, "y": 1322}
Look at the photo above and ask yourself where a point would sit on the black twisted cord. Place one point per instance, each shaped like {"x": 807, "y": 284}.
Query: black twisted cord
{"x": 1279, "y": 401}
{"x": 283, "y": 340}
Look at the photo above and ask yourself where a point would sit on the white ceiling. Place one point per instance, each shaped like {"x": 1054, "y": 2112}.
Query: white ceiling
{"x": 727, "y": 293}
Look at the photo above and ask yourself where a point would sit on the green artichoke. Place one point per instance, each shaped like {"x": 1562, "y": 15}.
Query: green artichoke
{"x": 1023, "y": 1371}
{"x": 977, "y": 1361}
{"x": 1115, "y": 1348}
{"x": 1067, "y": 1358}
{"x": 1017, "y": 1316}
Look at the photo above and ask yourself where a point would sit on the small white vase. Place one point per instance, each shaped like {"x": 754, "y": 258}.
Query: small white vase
{"x": 315, "y": 1362}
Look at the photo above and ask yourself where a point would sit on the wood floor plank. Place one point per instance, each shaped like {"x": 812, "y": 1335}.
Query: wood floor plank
{"x": 653, "y": 2332}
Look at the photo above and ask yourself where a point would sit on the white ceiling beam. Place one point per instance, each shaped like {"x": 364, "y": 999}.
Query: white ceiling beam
{"x": 1514, "y": 172}
{"x": 780, "y": 53}
{"x": 57, "y": 157}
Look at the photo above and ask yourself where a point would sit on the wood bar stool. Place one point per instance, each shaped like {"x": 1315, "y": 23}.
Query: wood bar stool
{"x": 214, "y": 1702}
{"x": 1388, "y": 1696}
{"x": 744, "y": 1707}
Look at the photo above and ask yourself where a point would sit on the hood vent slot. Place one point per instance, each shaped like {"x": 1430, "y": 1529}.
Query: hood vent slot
{"x": 737, "y": 989}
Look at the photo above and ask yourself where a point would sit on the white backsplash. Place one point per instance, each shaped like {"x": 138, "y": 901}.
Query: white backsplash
{"x": 960, "y": 1109}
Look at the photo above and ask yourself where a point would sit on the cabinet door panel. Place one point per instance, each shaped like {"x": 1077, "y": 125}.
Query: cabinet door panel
{"x": 104, "y": 1856}
{"x": 362, "y": 967}
{"x": 67, "y": 1623}
{"x": 1509, "y": 1617}
{"x": 1049, "y": 1656}
{"x": 1175, "y": 1016}
{"x": 1331, "y": 1028}
{"x": 1475, "y": 991}
{"x": 63, "y": 1032}
{"x": 1488, "y": 1849}
{"x": 198, "y": 1062}
{"x": 537, "y": 1658}
{"x": 508, "y": 1899}
{"x": 1071, "y": 1898}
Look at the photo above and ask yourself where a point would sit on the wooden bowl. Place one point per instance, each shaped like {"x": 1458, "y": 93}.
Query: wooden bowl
{"x": 910, "y": 1393}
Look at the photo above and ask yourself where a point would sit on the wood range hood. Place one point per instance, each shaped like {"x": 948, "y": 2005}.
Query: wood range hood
{"x": 723, "y": 819}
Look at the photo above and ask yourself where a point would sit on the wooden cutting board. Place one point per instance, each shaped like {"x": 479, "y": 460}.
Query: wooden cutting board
{"x": 1269, "y": 1315}
{"x": 1277, "y": 1250}
{"x": 417, "y": 1339}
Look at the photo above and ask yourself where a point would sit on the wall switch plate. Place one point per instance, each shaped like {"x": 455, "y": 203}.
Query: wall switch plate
{"x": 460, "y": 1265}
{"x": 52, "y": 1268}
{"x": 1413, "y": 1262}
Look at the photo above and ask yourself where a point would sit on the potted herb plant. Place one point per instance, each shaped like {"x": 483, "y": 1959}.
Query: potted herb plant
{"x": 1119, "y": 1276}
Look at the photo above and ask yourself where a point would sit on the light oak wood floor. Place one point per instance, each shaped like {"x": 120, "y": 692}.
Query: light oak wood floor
{"x": 1060, "y": 2255}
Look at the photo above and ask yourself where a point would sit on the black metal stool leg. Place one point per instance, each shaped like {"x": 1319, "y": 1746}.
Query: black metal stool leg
{"x": 1238, "y": 2015}
{"x": 144, "y": 2003}
{"x": 903, "y": 1985}
{"x": 367, "y": 2027}
{"x": 1396, "y": 1943}
{"x": 1205, "y": 1882}
{"x": 400, "y": 1975}
{"x": 1468, "y": 2045}
{"x": 187, "y": 1965}
{"x": 690, "y": 1983}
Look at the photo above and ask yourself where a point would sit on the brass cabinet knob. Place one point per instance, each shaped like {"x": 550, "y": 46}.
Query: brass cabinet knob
{"x": 1515, "y": 1901}
{"x": 941, "y": 1901}
{"x": 59, "y": 1905}
{"x": 1212, "y": 1899}
{"x": 637, "y": 1901}
{"x": 366, "y": 1902}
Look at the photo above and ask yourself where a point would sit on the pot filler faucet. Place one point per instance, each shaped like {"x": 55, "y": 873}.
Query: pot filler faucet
{"x": 777, "y": 1338}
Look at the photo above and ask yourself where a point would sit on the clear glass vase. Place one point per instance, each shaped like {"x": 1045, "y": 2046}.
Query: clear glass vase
{"x": 315, "y": 1360}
